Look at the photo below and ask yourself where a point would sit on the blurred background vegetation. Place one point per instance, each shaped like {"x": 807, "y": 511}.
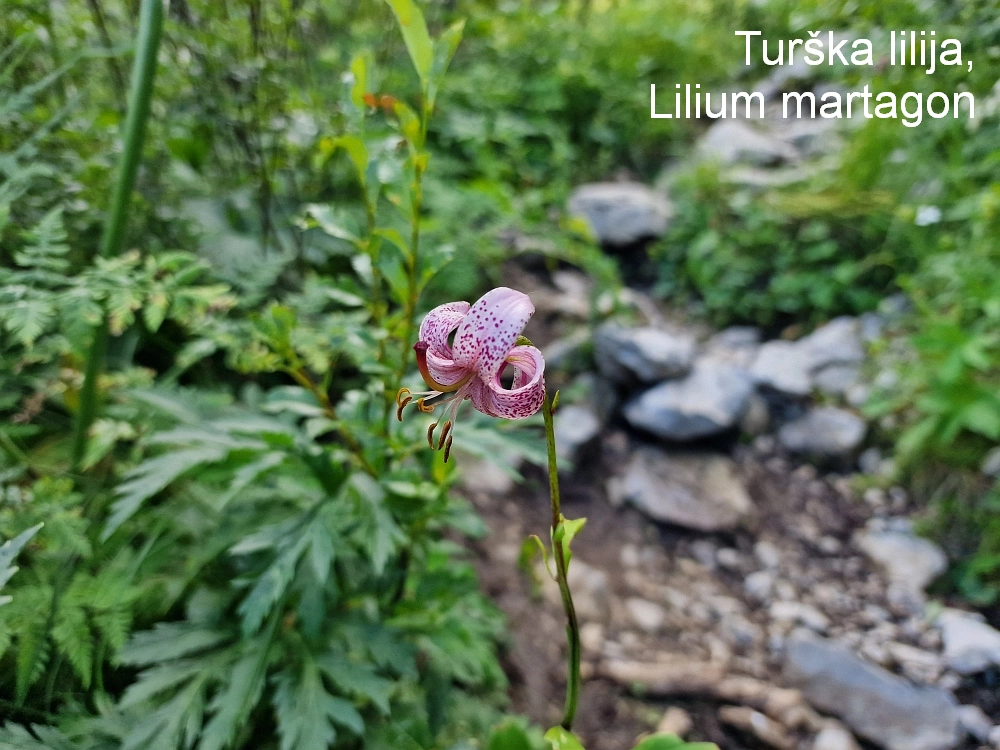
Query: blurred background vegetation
{"x": 236, "y": 249}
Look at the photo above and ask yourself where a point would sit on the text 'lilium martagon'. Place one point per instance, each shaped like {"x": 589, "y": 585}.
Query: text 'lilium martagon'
{"x": 485, "y": 343}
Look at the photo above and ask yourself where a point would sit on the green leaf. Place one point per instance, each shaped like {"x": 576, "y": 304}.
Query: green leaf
{"x": 270, "y": 587}
{"x": 415, "y": 36}
{"x": 153, "y": 475}
{"x": 565, "y": 532}
{"x": 168, "y": 641}
{"x": 559, "y": 739}
{"x": 444, "y": 51}
{"x": 409, "y": 125}
{"x": 509, "y": 736}
{"x": 306, "y": 712}
{"x": 359, "y": 69}
{"x": 9, "y": 551}
{"x": 233, "y": 704}
{"x": 72, "y": 634}
{"x": 357, "y": 679}
{"x": 358, "y": 152}
{"x": 672, "y": 742}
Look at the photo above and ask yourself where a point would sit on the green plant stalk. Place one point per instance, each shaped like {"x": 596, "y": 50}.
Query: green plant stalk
{"x": 572, "y": 624}
{"x": 140, "y": 94}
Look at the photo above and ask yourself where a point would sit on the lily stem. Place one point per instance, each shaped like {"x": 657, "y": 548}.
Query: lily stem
{"x": 113, "y": 236}
{"x": 572, "y": 624}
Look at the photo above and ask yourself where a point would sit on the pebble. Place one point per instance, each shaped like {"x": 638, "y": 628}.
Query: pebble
{"x": 647, "y": 616}
{"x": 675, "y": 721}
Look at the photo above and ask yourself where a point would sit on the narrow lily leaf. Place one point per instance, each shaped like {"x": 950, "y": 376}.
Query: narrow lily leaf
{"x": 444, "y": 51}
{"x": 359, "y": 69}
{"x": 358, "y": 152}
{"x": 565, "y": 532}
{"x": 559, "y": 739}
{"x": 418, "y": 41}
{"x": 409, "y": 124}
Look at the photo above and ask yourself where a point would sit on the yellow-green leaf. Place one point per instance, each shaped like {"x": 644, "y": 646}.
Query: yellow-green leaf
{"x": 415, "y": 36}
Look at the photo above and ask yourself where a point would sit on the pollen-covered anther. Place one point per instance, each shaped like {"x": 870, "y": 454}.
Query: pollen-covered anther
{"x": 403, "y": 397}
{"x": 445, "y": 434}
{"x": 430, "y": 434}
{"x": 447, "y": 450}
{"x": 424, "y": 407}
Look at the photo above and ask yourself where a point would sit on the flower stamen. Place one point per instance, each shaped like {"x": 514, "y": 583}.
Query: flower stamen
{"x": 425, "y": 407}
{"x": 447, "y": 449}
{"x": 430, "y": 434}
{"x": 445, "y": 433}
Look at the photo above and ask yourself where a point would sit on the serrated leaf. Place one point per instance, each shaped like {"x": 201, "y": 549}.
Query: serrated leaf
{"x": 269, "y": 587}
{"x": 153, "y": 475}
{"x": 306, "y": 712}
{"x": 10, "y": 550}
{"x": 71, "y": 633}
{"x": 357, "y": 679}
{"x": 168, "y": 641}
{"x": 159, "y": 679}
{"x": 234, "y": 702}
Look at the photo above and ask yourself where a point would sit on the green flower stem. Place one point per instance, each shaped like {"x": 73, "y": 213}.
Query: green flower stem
{"x": 140, "y": 94}
{"x": 572, "y": 624}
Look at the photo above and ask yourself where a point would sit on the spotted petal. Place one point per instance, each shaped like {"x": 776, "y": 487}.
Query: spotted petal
{"x": 526, "y": 394}
{"x": 489, "y": 331}
{"x": 434, "y": 331}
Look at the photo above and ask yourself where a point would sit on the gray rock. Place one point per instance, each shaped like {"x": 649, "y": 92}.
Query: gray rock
{"x": 991, "y": 463}
{"x": 758, "y": 585}
{"x": 836, "y": 379}
{"x": 783, "y": 366}
{"x": 837, "y": 342}
{"x": 994, "y": 736}
{"x": 800, "y": 613}
{"x": 645, "y": 354}
{"x": 696, "y": 491}
{"x": 907, "y": 560}
{"x": 823, "y": 431}
{"x": 757, "y": 417}
{"x": 874, "y": 703}
{"x": 620, "y": 213}
{"x": 835, "y": 736}
{"x": 736, "y": 346}
{"x": 970, "y": 645}
{"x": 829, "y": 358}
{"x": 575, "y": 427}
{"x": 711, "y": 399}
{"x": 731, "y": 142}
{"x": 975, "y": 722}
{"x": 647, "y": 616}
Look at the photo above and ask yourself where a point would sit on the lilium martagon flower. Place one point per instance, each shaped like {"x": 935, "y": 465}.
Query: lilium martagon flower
{"x": 487, "y": 340}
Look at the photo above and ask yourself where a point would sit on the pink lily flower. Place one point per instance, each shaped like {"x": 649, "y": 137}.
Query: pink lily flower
{"x": 485, "y": 343}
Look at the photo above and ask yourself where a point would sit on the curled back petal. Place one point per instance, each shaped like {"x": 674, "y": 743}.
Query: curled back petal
{"x": 489, "y": 331}
{"x": 438, "y": 325}
{"x": 524, "y": 398}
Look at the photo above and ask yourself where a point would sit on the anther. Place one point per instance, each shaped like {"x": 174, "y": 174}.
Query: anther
{"x": 425, "y": 408}
{"x": 430, "y": 434}
{"x": 447, "y": 450}
{"x": 445, "y": 434}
